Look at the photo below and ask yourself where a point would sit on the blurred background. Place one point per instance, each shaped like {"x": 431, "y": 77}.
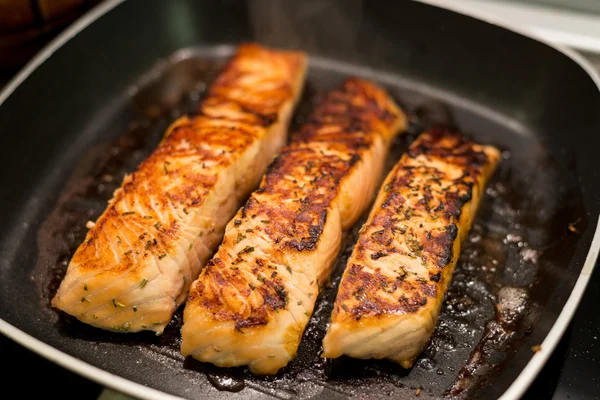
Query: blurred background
{"x": 27, "y": 25}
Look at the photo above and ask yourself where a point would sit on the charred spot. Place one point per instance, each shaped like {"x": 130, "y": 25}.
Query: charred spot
{"x": 354, "y": 159}
{"x": 440, "y": 245}
{"x": 237, "y": 222}
{"x": 440, "y": 207}
{"x": 255, "y": 320}
{"x": 378, "y": 255}
{"x": 435, "y": 277}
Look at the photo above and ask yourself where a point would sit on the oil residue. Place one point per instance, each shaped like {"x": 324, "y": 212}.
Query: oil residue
{"x": 481, "y": 315}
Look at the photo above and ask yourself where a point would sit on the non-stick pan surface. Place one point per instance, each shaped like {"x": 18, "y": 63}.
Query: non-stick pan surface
{"x": 99, "y": 104}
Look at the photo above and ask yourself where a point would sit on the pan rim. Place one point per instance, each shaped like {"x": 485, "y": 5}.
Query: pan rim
{"x": 107, "y": 379}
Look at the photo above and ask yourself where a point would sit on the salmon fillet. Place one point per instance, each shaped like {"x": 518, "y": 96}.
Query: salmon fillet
{"x": 137, "y": 263}
{"x": 254, "y": 299}
{"x": 396, "y": 277}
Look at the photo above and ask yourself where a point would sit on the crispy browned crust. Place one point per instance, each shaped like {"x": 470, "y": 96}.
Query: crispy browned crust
{"x": 440, "y": 175}
{"x": 291, "y": 206}
{"x": 175, "y": 178}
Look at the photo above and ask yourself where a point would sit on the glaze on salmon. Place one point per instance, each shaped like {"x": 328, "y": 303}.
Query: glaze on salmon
{"x": 254, "y": 299}
{"x": 396, "y": 277}
{"x": 137, "y": 263}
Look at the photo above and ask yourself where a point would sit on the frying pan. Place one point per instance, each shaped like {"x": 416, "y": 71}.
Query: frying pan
{"x": 94, "y": 103}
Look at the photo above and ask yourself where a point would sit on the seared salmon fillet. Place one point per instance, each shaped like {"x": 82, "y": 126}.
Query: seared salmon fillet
{"x": 253, "y": 300}
{"x": 137, "y": 263}
{"x": 392, "y": 289}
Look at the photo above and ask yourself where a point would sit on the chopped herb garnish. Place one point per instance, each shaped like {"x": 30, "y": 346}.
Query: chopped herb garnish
{"x": 247, "y": 249}
{"x": 190, "y": 246}
{"x": 306, "y": 313}
{"x": 185, "y": 210}
{"x": 85, "y": 286}
{"x": 345, "y": 307}
{"x": 128, "y": 252}
{"x": 143, "y": 283}
{"x": 163, "y": 255}
{"x": 299, "y": 302}
{"x": 261, "y": 278}
{"x": 83, "y": 299}
{"x": 289, "y": 269}
{"x": 271, "y": 355}
{"x": 128, "y": 213}
{"x": 165, "y": 168}
{"x": 127, "y": 325}
{"x": 265, "y": 221}
{"x": 117, "y": 304}
{"x": 119, "y": 239}
{"x": 147, "y": 216}
{"x": 240, "y": 237}
{"x": 387, "y": 187}
{"x": 157, "y": 225}
{"x": 134, "y": 308}
{"x": 157, "y": 323}
{"x": 144, "y": 326}
{"x": 252, "y": 286}
{"x": 310, "y": 295}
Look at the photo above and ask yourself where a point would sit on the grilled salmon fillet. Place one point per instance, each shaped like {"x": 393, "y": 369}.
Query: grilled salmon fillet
{"x": 395, "y": 279}
{"x": 137, "y": 263}
{"x": 253, "y": 300}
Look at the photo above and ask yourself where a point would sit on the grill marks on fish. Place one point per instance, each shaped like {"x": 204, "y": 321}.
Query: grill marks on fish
{"x": 253, "y": 301}
{"x": 136, "y": 264}
{"x": 391, "y": 292}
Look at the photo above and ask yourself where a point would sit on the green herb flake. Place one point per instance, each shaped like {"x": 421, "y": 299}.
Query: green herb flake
{"x": 117, "y": 304}
{"x": 127, "y": 325}
{"x": 134, "y": 308}
{"x": 128, "y": 252}
{"x": 289, "y": 269}
{"x": 306, "y": 313}
{"x": 165, "y": 169}
{"x": 163, "y": 255}
{"x": 157, "y": 323}
{"x": 85, "y": 287}
{"x": 143, "y": 283}
{"x": 265, "y": 221}
{"x": 299, "y": 302}
{"x": 128, "y": 213}
{"x": 83, "y": 300}
{"x": 144, "y": 326}
{"x": 147, "y": 216}
{"x": 185, "y": 210}
{"x": 310, "y": 295}
{"x": 158, "y": 225}
{"x": 271, "y": 355}
{"x": 240, "y": 237}
{"x": 190, "y": 246}
{"x": 387, "y": 187}
{"x": 252, "y": 287}
{"x": 247, "y": 249}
